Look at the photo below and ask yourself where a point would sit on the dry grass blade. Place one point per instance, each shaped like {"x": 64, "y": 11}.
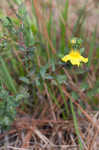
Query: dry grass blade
{"x": 42, "y": 22}
{"x": 15, "y": 148}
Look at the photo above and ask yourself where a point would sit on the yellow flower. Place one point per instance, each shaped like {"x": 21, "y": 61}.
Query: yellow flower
{"x": 75, "y": 58}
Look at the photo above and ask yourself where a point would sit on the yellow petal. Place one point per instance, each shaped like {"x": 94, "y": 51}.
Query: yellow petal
{"x": 85, "y": 60}
{"x": 75, "y": 62}
{"x": 75, "y": 58}
{"x": 65, "y": 58}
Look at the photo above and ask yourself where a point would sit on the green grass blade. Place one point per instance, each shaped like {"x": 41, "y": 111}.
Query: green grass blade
{"x": 7, "y": 76}
{"x": 63, "y": 27}
{"x": 76, "y": 125}
{"x": 64, "y": 99}
{"x": 91, "y": 48}
{"x": 54, "y": 98}
{"x": 80, "y": 21}
{"x": 50, "y": 22}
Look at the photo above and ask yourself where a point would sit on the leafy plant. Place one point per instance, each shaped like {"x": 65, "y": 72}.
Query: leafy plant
{"x": 8, "y": 105}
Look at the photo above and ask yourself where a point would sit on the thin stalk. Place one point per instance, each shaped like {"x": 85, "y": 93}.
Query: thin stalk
{"x": 7, "y": 76}
{"x": 76, "y": 124}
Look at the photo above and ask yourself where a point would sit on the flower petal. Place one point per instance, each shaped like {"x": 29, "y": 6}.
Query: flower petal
{"x": 65, "y": 58}
{"x": 75, "y": 58}
{"x": 75, "y": 62}
{"x": 85, "y": 60}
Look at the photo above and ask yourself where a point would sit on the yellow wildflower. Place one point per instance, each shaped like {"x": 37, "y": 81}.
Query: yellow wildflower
{"x": 75, "y": 58}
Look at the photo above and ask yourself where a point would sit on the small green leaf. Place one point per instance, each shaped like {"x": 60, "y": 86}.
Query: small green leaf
{"x": 48, "y": 77}
{"x": 75, "y": 95}
{"x": 84, "y": 86}
{"x": 25, "y": 80}
{"x": 43, "y": 70}
{"x": 61, "y": 78}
